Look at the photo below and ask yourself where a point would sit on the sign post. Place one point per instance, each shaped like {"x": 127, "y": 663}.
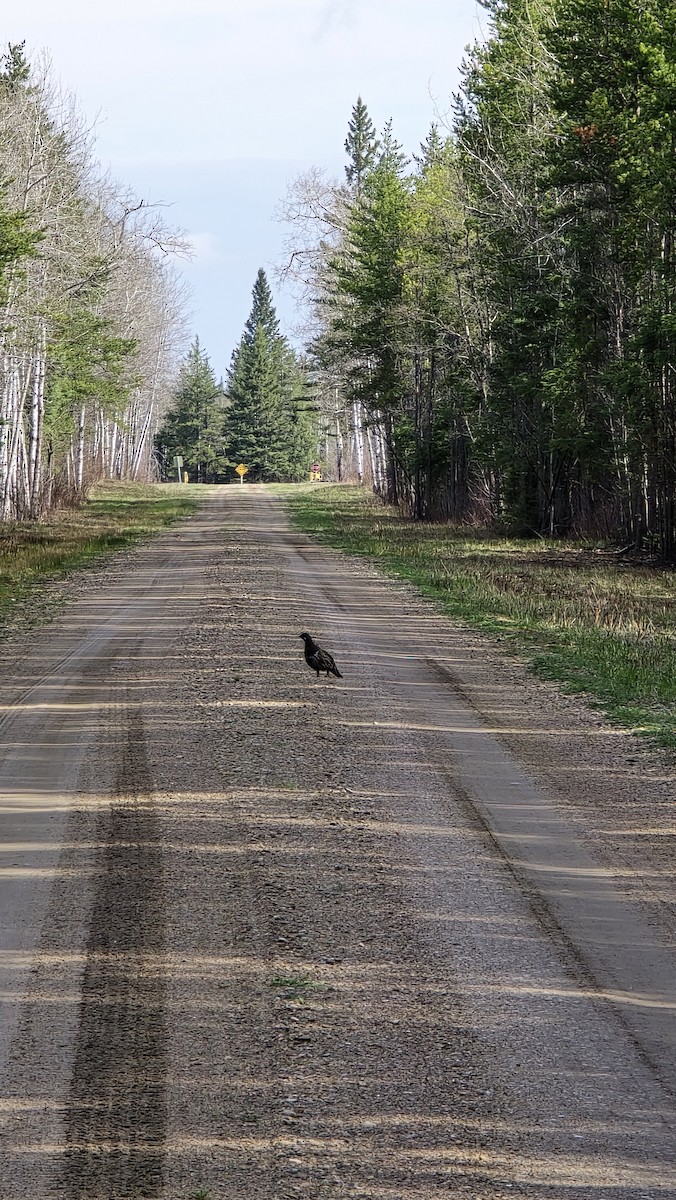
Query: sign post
{"x": 178, "y": 463}
{"x": 241, "y": 471}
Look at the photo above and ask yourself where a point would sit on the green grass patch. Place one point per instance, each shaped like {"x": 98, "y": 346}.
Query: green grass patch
{"x": 115, "y": 516}
{"x": 293, "y": 987}
{"x": 579, "y": 615}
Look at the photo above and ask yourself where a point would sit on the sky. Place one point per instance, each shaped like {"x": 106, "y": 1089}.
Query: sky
{"x": 213, "y": 107}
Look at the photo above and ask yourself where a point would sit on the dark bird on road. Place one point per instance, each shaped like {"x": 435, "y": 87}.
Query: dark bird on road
{"x": 318, "y": 659}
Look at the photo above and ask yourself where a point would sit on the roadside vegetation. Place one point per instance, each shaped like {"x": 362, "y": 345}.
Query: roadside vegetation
{"x": 115, "y": 516}
{"x": 582, "y": 616}
{"x": 94, "y": 313}
{"x": 492, "y": 317}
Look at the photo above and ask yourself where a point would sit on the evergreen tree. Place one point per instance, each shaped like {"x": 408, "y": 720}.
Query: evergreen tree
{"x": 301, "y": 419}
{"x": 504, "y": 314}
{"x": 445, "y": 394}
{"x": 88, "y": 363}
{"x": 391, "y": 156}
{"x": 193, "y": 426}
{"x": 14, "y": 66}
{"x": 17, "y": 242}
{"x": 432, "y": 150}
{"x": 389, "y": 336}
{"x": 255, "y": 433}
{"x": 368, "y": 275}
{"x": 262, "y": 311}
{"x": 613, "y": 159}
{"x": 362, "y": 146}
{"x": 504, "y": 126}
{"x": 266, "y": 426}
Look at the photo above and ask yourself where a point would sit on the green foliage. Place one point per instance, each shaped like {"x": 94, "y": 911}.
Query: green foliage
{"x": 17, "y": 241}
{"x": 369, "y": 280}
{"x": 269, "y": 425}
{"x": 361, "y": 145}
{"x": 262, "y": 311}
{"x": 391, "y": 158}
{"x": 504, "y": 311}
{"x": 14, "y": 66}
{"x": 503, "y": 127}
{"x": 87, "y": 366}
{"x": 192, "y": 427}
{"x": 18, "y": 238}
{"x": 392, "y": 318}
{"x": 255, "y": 432}
{"x": 613, "y": 161}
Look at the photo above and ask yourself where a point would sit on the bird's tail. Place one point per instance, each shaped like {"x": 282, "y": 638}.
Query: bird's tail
{"x": 336, "y": 672}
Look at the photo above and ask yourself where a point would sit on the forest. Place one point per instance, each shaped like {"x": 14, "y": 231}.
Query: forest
{"x": 96, "y": 384}
{"x": 489, "y": 326}
{"x": 492, "y": 323}
{"x": 93, "y": 308}
{"x": 263, "y": 416}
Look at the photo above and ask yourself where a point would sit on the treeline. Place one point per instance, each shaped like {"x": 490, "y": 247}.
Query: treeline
{"x": 263, "y": 417}
{"x": 92, "y": 315}
{"x": 494, "y": 329}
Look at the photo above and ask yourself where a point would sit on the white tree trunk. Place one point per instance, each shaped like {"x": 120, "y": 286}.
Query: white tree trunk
{"x": 141, "y": 446}
{"x": 358, "y": 440}
{"x": 374, "y": 460}
{"x": 380, "y": 453}
{"x": 15, "y": 495}
{"x": 79, "y": 462}
{"x": 36, "y": 423}
{"x": 339, "y": 450}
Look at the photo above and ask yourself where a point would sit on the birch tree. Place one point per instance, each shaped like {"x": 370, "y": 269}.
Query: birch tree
{"x": 84, "y": 264}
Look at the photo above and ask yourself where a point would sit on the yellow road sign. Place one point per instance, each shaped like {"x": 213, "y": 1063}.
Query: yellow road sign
{"x": 241, "y": 469}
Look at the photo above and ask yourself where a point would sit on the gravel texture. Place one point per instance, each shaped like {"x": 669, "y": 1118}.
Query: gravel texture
{"x": 398, "y": 936}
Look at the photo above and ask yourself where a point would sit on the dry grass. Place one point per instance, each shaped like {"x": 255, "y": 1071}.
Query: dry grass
{"x": 115, "y": 516}
{"x": 593, "y": 622}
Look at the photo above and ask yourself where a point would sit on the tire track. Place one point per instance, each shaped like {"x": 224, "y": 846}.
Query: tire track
{"x": 116, "y": 1118}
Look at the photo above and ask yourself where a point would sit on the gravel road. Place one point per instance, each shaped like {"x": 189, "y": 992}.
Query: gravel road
{"x": 402, "y": 935}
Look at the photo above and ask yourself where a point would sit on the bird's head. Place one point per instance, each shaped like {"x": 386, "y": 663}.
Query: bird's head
{"x": 306, "y": 637}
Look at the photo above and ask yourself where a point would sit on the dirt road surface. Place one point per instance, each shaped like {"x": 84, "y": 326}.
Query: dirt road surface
{"x": 402, "y": 935}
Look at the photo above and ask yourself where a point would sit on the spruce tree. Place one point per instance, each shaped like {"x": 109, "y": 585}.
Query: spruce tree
{"x": 255, "y": 422}
{"x": 193, "y": 427}
{"x": 14, "y": 66}
{"x": 613, "y": 160}
{"x": 262, "y": 311}
{"x": 265, "y": 427}
{"x": 362, "y": 146}
{"x": 17, "y": 241}
{"x": 432, "y": 150}
{"x": 391, "y": 157}
{"x": 504, "y": 127}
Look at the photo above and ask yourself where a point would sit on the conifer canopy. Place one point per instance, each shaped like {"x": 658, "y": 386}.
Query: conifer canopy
{"x": 269, "y": 424}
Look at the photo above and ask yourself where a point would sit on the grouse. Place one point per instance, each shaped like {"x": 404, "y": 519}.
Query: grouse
{"x": 318, "y": 659}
